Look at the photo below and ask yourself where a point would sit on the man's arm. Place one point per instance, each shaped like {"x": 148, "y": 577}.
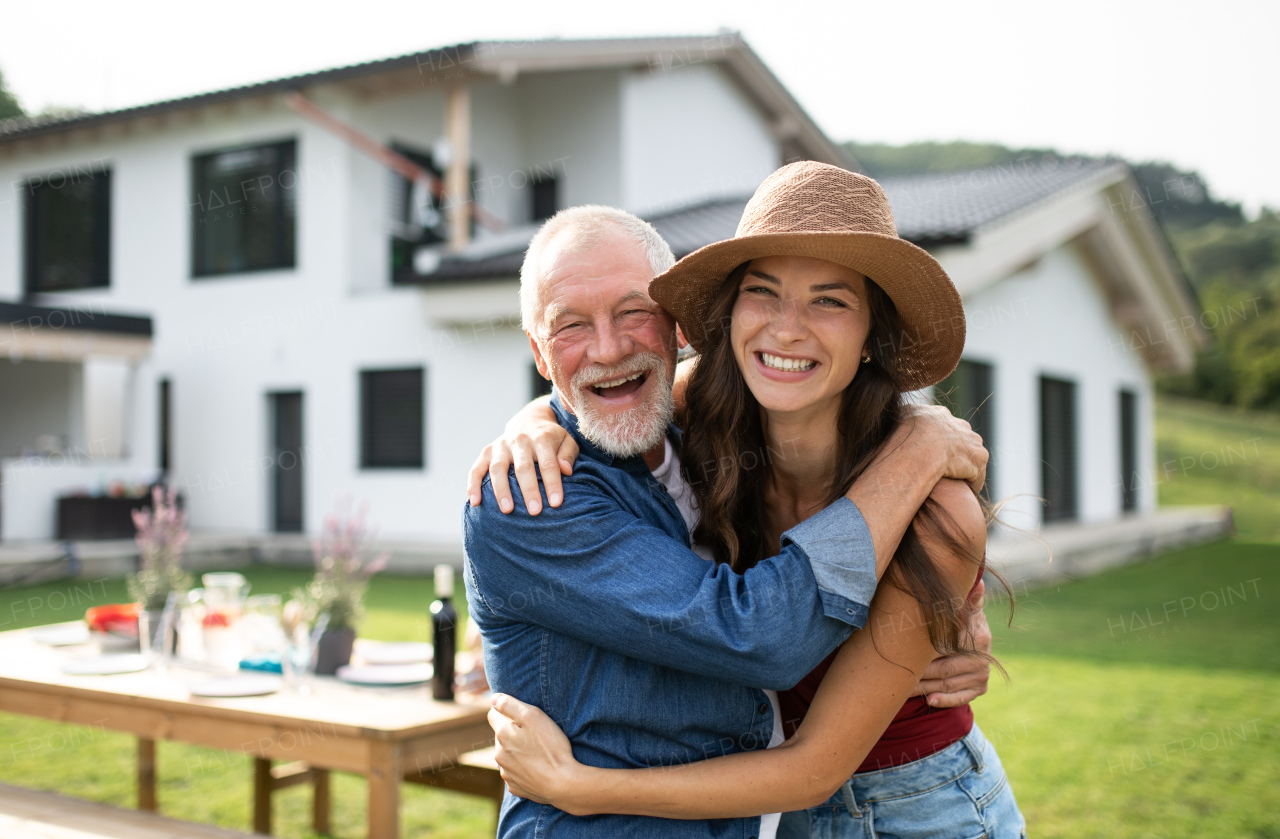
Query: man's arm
{"x": 592, "y": 570}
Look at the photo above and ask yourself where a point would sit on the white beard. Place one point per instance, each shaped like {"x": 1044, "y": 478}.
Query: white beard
{"x": 632, "y": 432}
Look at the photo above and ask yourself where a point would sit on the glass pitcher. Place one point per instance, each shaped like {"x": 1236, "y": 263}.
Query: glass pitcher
{"x": 223, "y": 597}
{"x": 225, "y": 593}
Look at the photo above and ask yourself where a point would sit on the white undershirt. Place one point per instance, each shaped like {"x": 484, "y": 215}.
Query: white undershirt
{"x": 668, "y": 474}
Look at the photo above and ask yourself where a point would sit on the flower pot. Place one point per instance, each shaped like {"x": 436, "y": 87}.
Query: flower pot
{"x": 333, "y": 650}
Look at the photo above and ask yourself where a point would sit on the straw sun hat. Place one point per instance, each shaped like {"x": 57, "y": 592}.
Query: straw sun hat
{"x": 821, "y": 211}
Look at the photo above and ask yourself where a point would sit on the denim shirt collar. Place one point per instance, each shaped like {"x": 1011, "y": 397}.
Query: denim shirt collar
{"x": 634, "y": 465}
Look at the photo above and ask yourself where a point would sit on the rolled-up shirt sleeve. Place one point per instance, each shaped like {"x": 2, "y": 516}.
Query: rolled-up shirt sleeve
{"x": 837, "y": 543}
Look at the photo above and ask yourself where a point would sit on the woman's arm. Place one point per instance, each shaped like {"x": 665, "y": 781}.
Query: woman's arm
{"x": 873, "y": 674}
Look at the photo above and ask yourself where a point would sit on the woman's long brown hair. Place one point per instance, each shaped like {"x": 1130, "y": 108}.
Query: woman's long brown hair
{"x": 726, "y": 460}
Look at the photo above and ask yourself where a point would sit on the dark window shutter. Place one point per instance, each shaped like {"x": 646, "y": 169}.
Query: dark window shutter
{"x": 67, "y": 223}
{"x": 969, "y": 393}
{"x": 166, "y": 425}
{"x": 288, "y": 458}
{"x": 1129, "y": 451}
{"x": 392, "y": 418}
{"x": 538, "y": 386}
{"x": 1058, "y": 448}
{"x": 244, "y": 210}
{"x": 544, "y": 198}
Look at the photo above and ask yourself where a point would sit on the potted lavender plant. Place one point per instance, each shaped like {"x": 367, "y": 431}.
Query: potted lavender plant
{"x": 338, "y": 588}
{"x": 161, "y": 538}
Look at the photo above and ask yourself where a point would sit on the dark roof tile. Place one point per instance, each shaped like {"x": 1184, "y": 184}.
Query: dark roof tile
{"x": 930, "y": 209}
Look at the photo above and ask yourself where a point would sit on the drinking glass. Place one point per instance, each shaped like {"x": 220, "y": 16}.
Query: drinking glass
{"x": 295, "y": 661}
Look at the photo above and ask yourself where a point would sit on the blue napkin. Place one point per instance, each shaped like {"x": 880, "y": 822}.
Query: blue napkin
{"x": 264, "y": 663}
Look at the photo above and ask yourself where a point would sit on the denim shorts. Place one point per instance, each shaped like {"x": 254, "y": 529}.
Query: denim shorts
{"x": 960, "y": 792}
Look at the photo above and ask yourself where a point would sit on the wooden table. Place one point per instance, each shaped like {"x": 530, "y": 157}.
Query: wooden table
{"x": 381, "y": 733}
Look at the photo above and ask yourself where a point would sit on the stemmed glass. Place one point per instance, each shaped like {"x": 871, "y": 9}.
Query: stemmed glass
{"x": 297, "y": 659}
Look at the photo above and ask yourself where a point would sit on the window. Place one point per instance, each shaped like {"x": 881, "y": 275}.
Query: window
{"x": 1129, "y": 476}
{"x": 288, "y": 461}
{"x": 244, "y": 211}
{"x": 969, "y": 393}
{"x": 544, "y": 198}
{"x": 391, "y": 419}
{"x": 538, "y": 386}
{"x": 417, "y": 218}
{"x": 165, "y": 398}
{"x": 68, "y": 230}
{"x": 1058, "y": 448}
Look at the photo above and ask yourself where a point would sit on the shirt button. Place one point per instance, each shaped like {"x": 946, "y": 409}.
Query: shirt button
{"x": 850, "y": 611}
{"x": 763, "y": 709}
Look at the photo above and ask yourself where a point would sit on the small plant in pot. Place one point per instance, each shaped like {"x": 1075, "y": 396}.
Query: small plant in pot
{"x": 161, "y": 538}
{"x": 338, "y": 588}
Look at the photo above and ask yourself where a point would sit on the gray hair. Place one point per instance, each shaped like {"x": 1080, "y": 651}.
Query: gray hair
{"x": 589, "y": 224}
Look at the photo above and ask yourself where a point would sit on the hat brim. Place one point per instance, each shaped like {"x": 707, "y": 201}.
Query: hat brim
{"x": 926, "y": 299}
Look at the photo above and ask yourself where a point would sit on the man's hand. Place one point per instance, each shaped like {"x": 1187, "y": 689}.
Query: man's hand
{"x": 953, "y": 680}
{"x": 533, "y": 439}
{"x": 964, "y": 458}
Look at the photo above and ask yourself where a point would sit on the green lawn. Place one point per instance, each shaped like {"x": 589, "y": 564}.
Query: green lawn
{"x": 1143, "y": 701}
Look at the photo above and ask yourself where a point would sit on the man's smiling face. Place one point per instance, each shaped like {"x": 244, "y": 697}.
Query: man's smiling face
{"x": 609, "y": 349}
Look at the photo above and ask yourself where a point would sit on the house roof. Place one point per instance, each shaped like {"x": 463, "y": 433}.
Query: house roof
{"x": 929, "y": 209}
{"x": 950, "y": 208}
{"x": 506, "y": 60}
{"x": 21, "y": 128}
{"x": 56, "y": 333}
{"x": 26, "y": 316}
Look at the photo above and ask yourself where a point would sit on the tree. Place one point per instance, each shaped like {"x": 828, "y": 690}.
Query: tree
{"x": 9, "y": 106}
{"x": 881, "y": 161}
{"x": 1233, "y": 264}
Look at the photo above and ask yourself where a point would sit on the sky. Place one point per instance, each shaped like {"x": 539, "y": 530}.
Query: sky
{"x": 1194, "y": 84}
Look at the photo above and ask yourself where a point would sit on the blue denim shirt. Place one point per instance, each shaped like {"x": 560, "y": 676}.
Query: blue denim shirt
{"x": 645, "y": 654}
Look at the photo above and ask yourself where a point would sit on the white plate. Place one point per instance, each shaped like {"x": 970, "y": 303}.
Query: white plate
{"x": 241, "y": 684}
{"x": 104, "y": 665}
{"x": 385, "y": 674}
{"x": 394, "y": 652}
{"x": 61, "y": 636}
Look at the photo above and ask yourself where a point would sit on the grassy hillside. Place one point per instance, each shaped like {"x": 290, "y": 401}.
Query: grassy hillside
{"x": 1208, "y": 454}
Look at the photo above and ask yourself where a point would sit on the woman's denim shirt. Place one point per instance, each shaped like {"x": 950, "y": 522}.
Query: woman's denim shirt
{"x": 598, "y": 612}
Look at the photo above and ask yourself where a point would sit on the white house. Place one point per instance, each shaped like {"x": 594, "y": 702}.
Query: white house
{"x": 279, "y": 294}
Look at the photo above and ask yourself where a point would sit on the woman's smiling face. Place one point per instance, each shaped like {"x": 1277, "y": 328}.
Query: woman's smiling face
{"x": 798, "y": 331}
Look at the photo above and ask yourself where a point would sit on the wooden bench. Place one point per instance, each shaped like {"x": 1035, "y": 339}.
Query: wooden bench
{"x": 475, "y": 773}
{"x": 31, "y": 814}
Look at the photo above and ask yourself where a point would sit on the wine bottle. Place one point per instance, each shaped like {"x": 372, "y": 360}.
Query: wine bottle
{"x": 444, "y": 623}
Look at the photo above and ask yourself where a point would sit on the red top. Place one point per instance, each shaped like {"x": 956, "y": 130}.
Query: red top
{"x": 916, "y": 732}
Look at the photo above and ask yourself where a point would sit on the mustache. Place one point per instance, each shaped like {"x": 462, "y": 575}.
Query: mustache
{"x": 597, "y": 373}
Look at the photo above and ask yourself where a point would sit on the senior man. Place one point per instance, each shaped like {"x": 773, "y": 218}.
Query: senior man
{"x": 598, "y": 610}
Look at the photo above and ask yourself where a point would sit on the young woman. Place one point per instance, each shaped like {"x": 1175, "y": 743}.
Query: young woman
{"x": 811, "y": 324}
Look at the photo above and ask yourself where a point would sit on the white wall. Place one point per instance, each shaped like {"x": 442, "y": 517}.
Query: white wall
{"x": 690, "y": 135}
{"x": 1051, "y": 319}
{"x": 574, "y": 120}
{"x": 29, "y": 488}
{"x": 635, "y": 139}
{"x": 36, "y": 398}
{"x": 226, "y": 342}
